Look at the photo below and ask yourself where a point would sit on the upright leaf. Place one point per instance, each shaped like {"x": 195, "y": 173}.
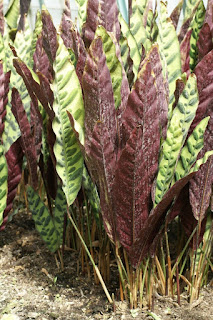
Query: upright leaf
{"x": 68, "y": 97}
{"x": 3, "y": 182}
{"x": 82, "y": 12}
{"x": 115, "y": 67}
{"x": 28, "y": 142}
{"x": 169, "y": 47}
{"x": 43, "y": 221}
{"x": 181, "y": 120}
{"x": 205, "y": 42}
{"x": 196, "y": 26}
{"x": 134, "y": 52}
{"x": 12, "y": 13}
{"x": 14, "y": 158}
{"x": 98, "y": 93}
{"x": 175, "y": 15}
{"x": 50, "y": 43}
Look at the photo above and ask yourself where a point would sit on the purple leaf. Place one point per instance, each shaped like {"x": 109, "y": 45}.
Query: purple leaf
{"x": 138, "y": 162}
{"x": 24, "y": 7}
{"x": 101, "y": 12}
{"x": 144, "y": 93}
{"x": 41, "y": 61}
{"x": 27, "y": 139}
{"x": 4, "y": 89}
{"x": 49, "y": 34}
{"x": 184, "y": 51}
{"x": 186, "y": 24}
{"x": 98, "y": 93}
{"x": 2, "y": 17}
{"x": 14, "y": 157}
{"x": 43, "y": 92}
{"x": 103, "y": 157}
{"x": 209, "y": 15}
{"x": 175, "y": 15}
{"x": 204, "y": 44}
{"x": 155, "y": 222}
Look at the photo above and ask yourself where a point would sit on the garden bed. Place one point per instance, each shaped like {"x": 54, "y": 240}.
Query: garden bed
{"x": 32, "y": 287}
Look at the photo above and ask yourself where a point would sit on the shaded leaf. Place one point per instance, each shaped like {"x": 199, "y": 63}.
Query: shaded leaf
{"x": 184, "y": 51}
{"x": 28, "y": 142}
{"x": 14, "y": 158}
{"x": 3, "y": 183}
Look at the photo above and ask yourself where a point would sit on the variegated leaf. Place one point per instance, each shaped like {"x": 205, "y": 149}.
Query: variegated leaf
{"x": 181, "y": 120}
{"x": 114, "y": 65}
{"x": 134, "y": 52}
{"x": 196, "y": 26}
{"x": 68, "y": 97}
{"x": 82, "y": 12}
{"x": 191, "y": 150}
{"x": 170, "y": 48}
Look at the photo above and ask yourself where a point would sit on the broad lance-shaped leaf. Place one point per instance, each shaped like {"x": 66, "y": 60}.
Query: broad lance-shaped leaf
{"x": 204, "y": 43}
{"x": 134, "y": 112}
{"x": 59, "y": 213}
{"x": 115, "y": 67}
{"x": 103, "y": 157}
{"x": 186, "y": 24}
{"x": 138, "y": 162}
{"x": 201, "y": 185}
{"x": 12, "y": 13}
{"x": 50, "y": 43}
{"x": 185, "y": 49}
{"x": 170, "y": 49}
{"x": 137, "y": 28}
{"x": 14, "y": 158}
{"x": 50, "y": 228}
{"x": 68, "y": 97}
{"x": 28, "y": 142}
{"x": 3, "y": 183}
{"x": 181, "y": 120}
{"x": 4, "y": 89}
{"x": 209, "y": 15}
{"x": 101, "y": 12}
{"x": 134, "y": 52}
{"x": 191, "y": 150}
{"x": 196, "y": 26}
{"x": 82, "y": 12}
{"x": 188, "y": 7}
{"x": 98, "y": 93}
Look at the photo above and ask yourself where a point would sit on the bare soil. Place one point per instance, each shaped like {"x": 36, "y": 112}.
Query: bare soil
{"x": 32, "y": 287}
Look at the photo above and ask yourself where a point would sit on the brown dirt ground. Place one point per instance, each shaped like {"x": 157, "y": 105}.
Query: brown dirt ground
{"x": 28, "y": 291}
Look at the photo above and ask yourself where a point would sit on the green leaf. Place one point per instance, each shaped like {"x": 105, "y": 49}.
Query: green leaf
{"x": 201, "y": 161}
{"x": 12, "y": 13}
{"x": 191, "y": 150}
{"x": 123, "y": 9}
{"x": 91, "y": 193}
{"x": 3, "y": 183}
{"x": 11, "y": 129}
{"x": 43, "y": 220}
{"x": 188, "y": 8}
{"x": 68, "y": 97}
{"x": 60, "y": 211}
{"x": 113, "y": 63}
{"x": 82, "y": 12}
{"x": 180, "y": 123}
{"x": 137, "y": 28}
{"x": 196, "y": 26}
{"x": 132, "y": 44}
{"x": 170, "y": 49}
